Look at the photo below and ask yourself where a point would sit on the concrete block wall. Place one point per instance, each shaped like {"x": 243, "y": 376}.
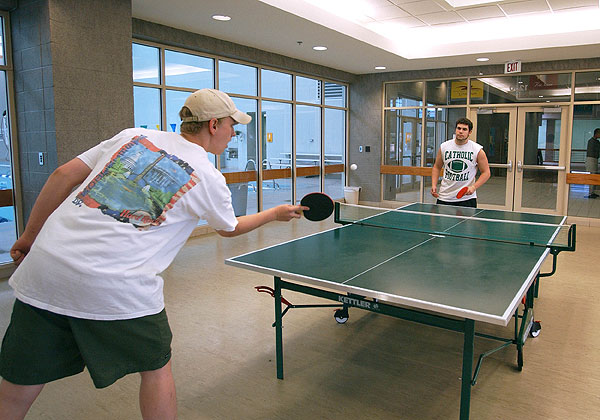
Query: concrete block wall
{"x": 32, "y": 62}
{"x": 73, "y": 81}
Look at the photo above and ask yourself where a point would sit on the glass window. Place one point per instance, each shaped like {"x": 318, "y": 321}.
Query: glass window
{"x": 450, "y": 92}
{"x": 8, "y": 226}
{"x": 174, "y": 101}
{"x": 146, "y": 106}
{"x": 146, "y": 64}
{"x": 242, "y": 162}
{"x": 587, "y": 86}
{"x": 308, "y": 149}
{"x": 335, "y": 146}
{"x": 189, "y": 71}
{"x": 404, "y": 94}
{"x": 586, "y": 119}
{"x": 277, "y": 150}
{"x": 308, "y": 90}
{"x": 335, "y": 95}
{"x": 524, "y": 88}
{"x": 241, "y": 155}
{"x": 2, "y": 43}
{"x": 275, "y": 84}
{"x": 402, "y": 148}
{"x": 237, "y": 78}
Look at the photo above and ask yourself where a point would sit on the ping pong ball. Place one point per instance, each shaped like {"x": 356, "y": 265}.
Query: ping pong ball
{"x": 353, "y": 167}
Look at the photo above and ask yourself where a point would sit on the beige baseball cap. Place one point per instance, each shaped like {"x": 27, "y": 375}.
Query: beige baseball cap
{"x": 207, "y": 104}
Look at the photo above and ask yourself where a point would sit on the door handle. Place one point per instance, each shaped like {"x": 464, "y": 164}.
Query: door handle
{"x": 509, "y": 166}
{"x": 519, "y": 166}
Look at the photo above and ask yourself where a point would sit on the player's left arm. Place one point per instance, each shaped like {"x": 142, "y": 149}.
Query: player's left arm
{"x": 484, "y": 169}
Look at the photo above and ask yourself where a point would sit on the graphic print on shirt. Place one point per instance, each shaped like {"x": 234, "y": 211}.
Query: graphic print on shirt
{"x": 457, "y": 168}
{"x": 139, "y": 184}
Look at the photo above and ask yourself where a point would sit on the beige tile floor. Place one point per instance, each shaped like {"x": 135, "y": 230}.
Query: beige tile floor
{"x": 372, "y": 367}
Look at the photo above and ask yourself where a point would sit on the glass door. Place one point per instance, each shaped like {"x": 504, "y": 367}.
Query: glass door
{"x": 525, "y": 147}
{"x": 496, "y": 131}
{"x": 540, "y": 159}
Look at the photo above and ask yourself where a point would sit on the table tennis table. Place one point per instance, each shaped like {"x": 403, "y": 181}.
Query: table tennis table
{"x": 444, "y": 266}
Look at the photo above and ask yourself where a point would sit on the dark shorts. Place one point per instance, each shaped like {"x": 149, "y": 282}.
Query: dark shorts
{"x": 40, "y": 346}
{"x": 472, "y": 202}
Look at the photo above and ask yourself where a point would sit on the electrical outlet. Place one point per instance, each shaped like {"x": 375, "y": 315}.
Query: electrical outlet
{"x": 367, "y": 149}
{"x": 41, "y": 158}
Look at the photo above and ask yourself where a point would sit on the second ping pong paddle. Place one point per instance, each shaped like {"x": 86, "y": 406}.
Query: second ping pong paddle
{"x": 320, "y": 206}
{"x": 462, "y": 192}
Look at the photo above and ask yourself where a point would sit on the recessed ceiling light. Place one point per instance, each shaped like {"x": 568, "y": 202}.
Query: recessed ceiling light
{"x": 222, "y": 18}
{"x": 380, "y": 67}
{"x": 483, "y": 59}
{"x": 319, "y": 48}
{"x": 541, "y": 96}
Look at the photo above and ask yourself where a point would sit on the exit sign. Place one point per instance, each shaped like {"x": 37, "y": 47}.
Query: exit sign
{"x": 512, "y": 67}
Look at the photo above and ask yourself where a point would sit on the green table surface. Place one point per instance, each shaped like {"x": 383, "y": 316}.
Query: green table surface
{"x": 476, "y": 279}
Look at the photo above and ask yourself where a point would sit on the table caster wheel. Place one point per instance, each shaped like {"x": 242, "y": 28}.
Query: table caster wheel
{"x": 341, "y": 316}
{"x": 536, "y": 329}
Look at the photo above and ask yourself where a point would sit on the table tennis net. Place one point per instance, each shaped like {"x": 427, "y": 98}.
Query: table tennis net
{"x": 467, "y": 223}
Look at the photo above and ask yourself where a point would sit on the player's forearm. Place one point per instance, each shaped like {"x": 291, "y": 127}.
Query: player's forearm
{"x": 482, "y": 179}
{"x": 435, "y": 175}
{"x": 57, "y": 188}
{"x": 250, "y": 222}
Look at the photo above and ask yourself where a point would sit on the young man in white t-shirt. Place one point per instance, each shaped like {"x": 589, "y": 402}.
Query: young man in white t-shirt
{"x": 460, "y": 158}
{"x": 106, "y": 224}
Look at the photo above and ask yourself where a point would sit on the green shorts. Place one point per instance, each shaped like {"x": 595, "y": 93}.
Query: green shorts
{"x": 40, "y": 346}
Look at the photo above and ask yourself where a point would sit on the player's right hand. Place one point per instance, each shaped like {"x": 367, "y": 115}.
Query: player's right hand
{"x": 287, "y": 212}
{"x": 19, "y": 250}
{"x": 434, "y": 191}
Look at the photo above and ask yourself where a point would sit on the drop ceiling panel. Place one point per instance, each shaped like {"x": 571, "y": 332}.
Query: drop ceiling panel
{"x": 520, "y": 7}
{"x": 422, "y": 7}
{"x": 441, "y": 18}
{"x": 486, "y": 12}
{"x": 567, "y": 4}
{"x": 387, "y": 12}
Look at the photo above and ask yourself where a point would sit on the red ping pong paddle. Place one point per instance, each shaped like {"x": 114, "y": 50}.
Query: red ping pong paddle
{"x": 462, "y": 192}
{"x": 320, "y": 204}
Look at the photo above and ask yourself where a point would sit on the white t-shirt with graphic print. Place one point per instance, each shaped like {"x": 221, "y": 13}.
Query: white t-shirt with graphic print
{"x": 100, "y": 253}
{"x": 460, "y": 169}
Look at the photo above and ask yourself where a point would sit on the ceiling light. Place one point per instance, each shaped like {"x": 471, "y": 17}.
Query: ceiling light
{"x": 541, "y": 96}
{"x": 483, "y": 59}
{"x": 222, "y": 18}
{"x": 380, "y": 67}
{"x": 319, "y": 48}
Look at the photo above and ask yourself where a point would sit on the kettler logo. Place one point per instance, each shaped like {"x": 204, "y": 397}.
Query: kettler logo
{"x": 358, "y": 303}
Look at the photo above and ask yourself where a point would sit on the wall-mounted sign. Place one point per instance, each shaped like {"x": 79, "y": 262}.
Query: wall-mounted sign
{"x": 458, "y": 89}
{"x": 512, "y": 67}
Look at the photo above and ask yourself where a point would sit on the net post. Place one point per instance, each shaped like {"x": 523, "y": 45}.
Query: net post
{"x": 336, "y": 213}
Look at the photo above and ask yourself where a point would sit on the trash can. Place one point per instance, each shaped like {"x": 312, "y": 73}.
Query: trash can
{"x": 351, "y": 194}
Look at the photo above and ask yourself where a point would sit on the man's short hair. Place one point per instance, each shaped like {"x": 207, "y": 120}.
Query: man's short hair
{"x": 597, "y": 132}
{"x": 464, "y": 121}
{"x": 192, "y": 127}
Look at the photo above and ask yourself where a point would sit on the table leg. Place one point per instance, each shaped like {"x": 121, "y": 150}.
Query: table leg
{"x": 278, "y": 332}
{"x": 467, "y": 369}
